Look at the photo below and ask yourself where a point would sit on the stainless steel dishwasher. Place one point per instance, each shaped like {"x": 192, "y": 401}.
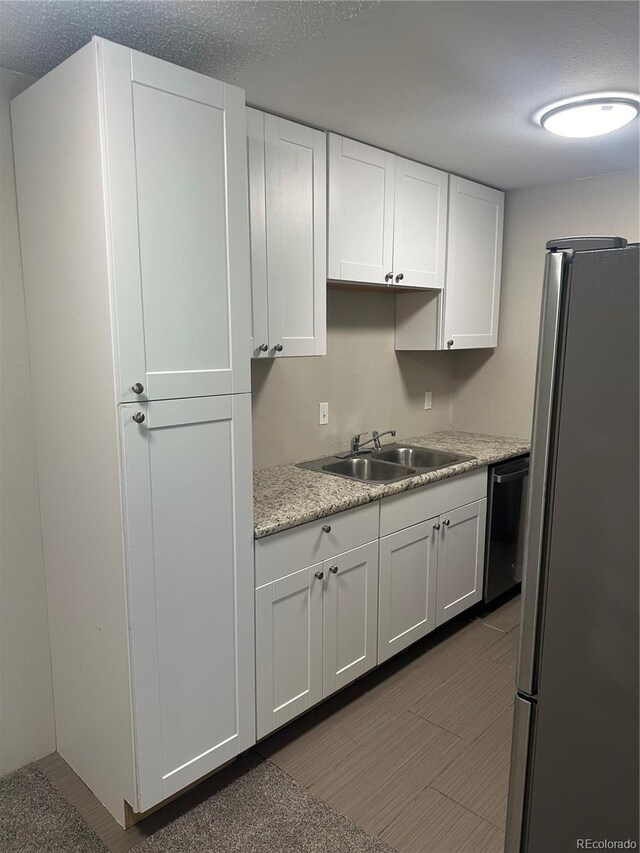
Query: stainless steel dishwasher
{"x": 507, "y": 494}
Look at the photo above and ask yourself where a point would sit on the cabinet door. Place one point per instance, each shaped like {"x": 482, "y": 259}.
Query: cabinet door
{"x": 187, "y": 478}
{"x": 474, "y": 264}
{"x": 174, "y": 151}
{"x": 260, "y": 346}
{"x": 350, "y": 616}
{"x": 408, "y": 568}
{"x": 461, "y": 559}
{"x": 288, "y": 647}
{"x": 361, "y": 189}
{"x": 295, "y": 179}
{"x": 420, "y": 225}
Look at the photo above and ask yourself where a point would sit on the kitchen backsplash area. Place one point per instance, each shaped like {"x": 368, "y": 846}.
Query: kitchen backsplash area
{"x": 367, "y": 384}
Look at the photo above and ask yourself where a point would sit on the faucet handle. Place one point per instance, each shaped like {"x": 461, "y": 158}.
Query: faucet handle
{"x": 355, "y": 441}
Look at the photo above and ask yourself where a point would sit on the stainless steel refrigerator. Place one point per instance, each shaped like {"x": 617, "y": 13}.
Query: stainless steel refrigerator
{"x": 574, "y": 762}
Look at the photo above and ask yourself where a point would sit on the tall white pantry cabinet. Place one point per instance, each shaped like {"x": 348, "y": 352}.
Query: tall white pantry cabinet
{"x": 132, "y": 193}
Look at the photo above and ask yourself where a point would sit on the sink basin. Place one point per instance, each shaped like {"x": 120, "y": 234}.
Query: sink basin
{"x": 418, "y": 457}
{"x": 393, "y": 462}
{"x": 368, "y": 469}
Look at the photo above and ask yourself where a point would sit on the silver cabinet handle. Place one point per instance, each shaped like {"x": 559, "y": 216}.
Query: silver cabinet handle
{"x": 333, "y": 569}
{"x": 450, "y": 342}
{"x": 139, "y": 417}
{"x": 278, "y": 347}
{"x": 400, "y": 276}
{"x": 388, "y": 276}
{"x": 137, "y": 388}
{"x": 446, "y": 522}
{"x": 436, "y": 527}
{"x": 263, "y": 347}
{"x": 326, "y": 528}
{"x": 319, "y": 575}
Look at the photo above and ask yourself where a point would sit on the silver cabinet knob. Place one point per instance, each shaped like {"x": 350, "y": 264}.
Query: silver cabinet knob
{"x": 450, "y": 342}
{"x": 139, "y": 417}
{"x": 319, "y": 575}
{"x": 326, "y": 528}
{"x": 333, "y": 569}
{"x": 278, "y": 347}
{"x": 446, "y": 522}
{"x": 436, "y": 527}
{"x": 263, "y": 347}
{"x": 137, "y": 388}
{"x": 400, "y": 276}
{"x": 388, "y": 276}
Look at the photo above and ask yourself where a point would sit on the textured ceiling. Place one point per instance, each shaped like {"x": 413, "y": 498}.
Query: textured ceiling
{"x": 454, "y": 84}
{"x": 211, "y": 36}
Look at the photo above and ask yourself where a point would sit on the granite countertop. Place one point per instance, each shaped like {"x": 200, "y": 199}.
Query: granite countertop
{"x": 285, "y": 496}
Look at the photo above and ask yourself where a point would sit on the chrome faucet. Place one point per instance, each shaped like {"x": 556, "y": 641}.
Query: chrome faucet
{"x": 357, "y": 445}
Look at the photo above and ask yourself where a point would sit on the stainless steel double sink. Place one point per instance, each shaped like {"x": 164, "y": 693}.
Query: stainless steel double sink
{"x": 392, "y": 462}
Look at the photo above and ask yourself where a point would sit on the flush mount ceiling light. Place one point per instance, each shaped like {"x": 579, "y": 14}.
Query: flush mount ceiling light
{"x": 590, "y": 115}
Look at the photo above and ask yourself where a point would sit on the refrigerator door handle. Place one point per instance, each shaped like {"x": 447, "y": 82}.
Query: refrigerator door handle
{"x": 523, "y": 721}
{"x": 543, "y": 424}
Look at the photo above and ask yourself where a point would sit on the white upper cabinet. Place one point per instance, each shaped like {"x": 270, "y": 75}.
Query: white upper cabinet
{"x": 474, "y": 264}
{"x": 287, "y": 185}
{"x": 420, "y": 225}
{"x": 387, "y": 217}
{"x": 465, "y": 315}
{"x": 361, "y": 191}
{"x": 174, "y": 146}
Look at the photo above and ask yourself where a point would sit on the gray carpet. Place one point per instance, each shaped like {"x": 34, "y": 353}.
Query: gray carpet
{"x": 251, "y": 808}
{"x": 36, "y": 818}
{"x": 262, "y": 811}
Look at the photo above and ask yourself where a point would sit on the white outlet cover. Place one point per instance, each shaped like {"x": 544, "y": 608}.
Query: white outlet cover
{"x": 323, "y": 414}
{"x": 427, "y": 399}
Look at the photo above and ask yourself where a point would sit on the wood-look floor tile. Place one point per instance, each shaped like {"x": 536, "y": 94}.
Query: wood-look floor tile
{"x": 383, "y": 699}
{"x": 479, "y": 778}
{"x": 505, "y": 650}
{"x": 305, "y": 752}
{"x": 505, "y": 617}
{"x": 471, "y": 699}
{"x": 467, "y": 642}
{"x": 432, "y": 823}
{"x": 372, "y": 785}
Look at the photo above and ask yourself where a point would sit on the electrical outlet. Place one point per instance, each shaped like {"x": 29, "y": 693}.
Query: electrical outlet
{"x": 427, "y": 399}
{"x": 323, "y": 414}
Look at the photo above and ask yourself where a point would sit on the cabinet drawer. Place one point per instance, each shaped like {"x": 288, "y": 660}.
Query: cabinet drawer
{"x": 283, "y": 553}
{"x": 412, "y": 507}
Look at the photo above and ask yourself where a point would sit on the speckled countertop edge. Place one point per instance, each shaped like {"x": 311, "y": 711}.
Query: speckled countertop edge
{"x": 285, "y": 496}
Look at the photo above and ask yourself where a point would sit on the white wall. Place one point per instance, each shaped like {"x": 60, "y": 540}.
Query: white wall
{"x": 493, "y": 389}
{"x": 366, "y": 383}
{"x": 26, "y": 694}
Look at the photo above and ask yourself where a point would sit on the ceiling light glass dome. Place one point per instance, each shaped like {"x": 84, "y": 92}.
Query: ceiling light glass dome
{"x": 590, "y": 115}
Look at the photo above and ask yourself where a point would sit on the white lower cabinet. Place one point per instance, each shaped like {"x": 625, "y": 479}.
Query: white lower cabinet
{"x": 460, "y": 559}
{"x": 429, "y": 573}
{"x": 408, "y": 569}
{"x": 321, "y": 627}
{"x": 188, "y": 498}
{"x": 315, "y": 632}
{"x": 288, "y": 647}
{"x": 349, "y": 617}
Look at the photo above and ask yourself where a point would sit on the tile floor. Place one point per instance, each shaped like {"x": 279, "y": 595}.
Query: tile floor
{"x": 418, "y": 751}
